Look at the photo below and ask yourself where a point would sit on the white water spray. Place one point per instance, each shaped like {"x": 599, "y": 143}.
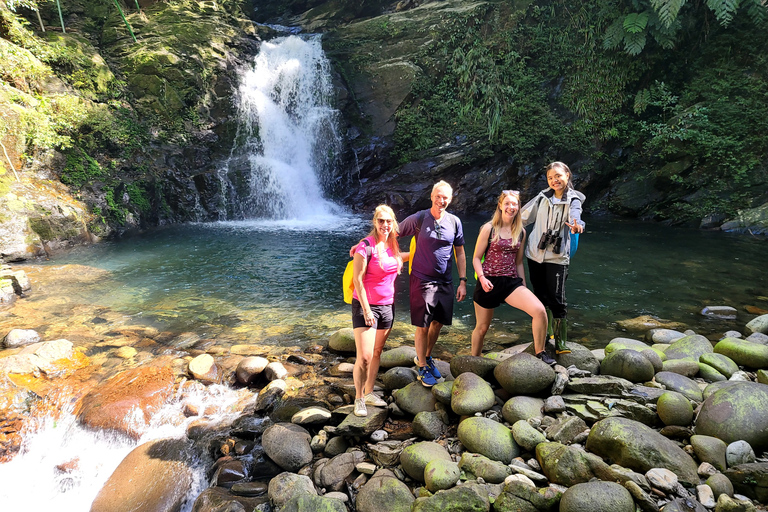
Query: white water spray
{"x": 287, "y": 132}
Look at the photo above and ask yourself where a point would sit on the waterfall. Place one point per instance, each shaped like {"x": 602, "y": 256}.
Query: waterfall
{"x": 287, "y": 140}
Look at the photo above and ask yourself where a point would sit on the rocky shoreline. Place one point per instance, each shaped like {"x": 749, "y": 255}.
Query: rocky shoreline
{"x": 672, "y": 422}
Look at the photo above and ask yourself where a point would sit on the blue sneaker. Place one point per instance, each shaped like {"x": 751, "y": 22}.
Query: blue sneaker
{"x": 431, "y": 365}
{"x": 426, "y": 378}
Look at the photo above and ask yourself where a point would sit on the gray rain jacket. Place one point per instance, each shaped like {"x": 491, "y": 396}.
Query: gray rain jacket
{"x": 545, "y": 211}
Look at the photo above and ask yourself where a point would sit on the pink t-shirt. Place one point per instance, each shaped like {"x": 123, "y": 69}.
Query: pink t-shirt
{"x": 379, "y": 280}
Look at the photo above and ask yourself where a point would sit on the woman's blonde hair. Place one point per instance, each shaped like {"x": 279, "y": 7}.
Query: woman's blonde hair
{"x": 391, "y": 239}
{"x": 517, "y": 221}
{"x": 562, "y": 167}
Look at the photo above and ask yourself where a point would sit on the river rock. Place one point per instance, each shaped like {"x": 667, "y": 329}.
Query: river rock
{"x": 20, "y": 338}
{"x": 363, "y": 426}
{"x": 429, "y": 425}
{"x": 743, "y": 352}
{"x": 275, "y": 370}
{"x": 721, "y": 363}
{"x": 219, "y": 498}
{"x": 527, "y": 436}
{"x": 568, "y": 465}
{"x": 663, "y": 479}
{"x": 736, "y": 413}
{"x": 441, "y": 474}
{"x": 627, "y": 364}
{"x": 153, "y": 476}
{"x": 597, "y": 496}
{"x": 579, "y": 356}
{"x": 471, "y": 394}
{"x": 689, "y": 347}
{"x": 399, "y": 356}
{"x": 710, "y": 374}
{"x": 127, "y": 401}
{"x": 756, "y": 337}
{"x": 625, "y": 343}
{"x": 204, "y": 369}
{"x": 688, "y": 504}
{"x": 654, "y": 358}
{"x": 270, "y": 394}
{"x": 464, "y": 498}
{"x": 706, "y": 496}
{"x": 720, "y": 484}
{"x": 758, "y": 324}
{"x": 287, "y": 445}
{"x": 331, "y": 473}
{"x": 751, "y": 480}
{"x": 685, "y": 367}
{"x": 481, "y": 366}
{"x": 727, "y": 504}
{"x": 674, "y": 409}
{"x": 343, "y": 341}
{"x": 522, "y": 408}
{"x": 249, "y": 369}
{"x": 521, "y": 496}
{"x": 524, "y": 374}
{"x": 306, "y": 502}
{"x": 719, "y": 312}
{"x": 600, "y": 385}
{"x": 644, "y": 322}
{"x": 739, "y": 452}
{"x": 683, "y": 385}
{"x": 285, "y": 485}
{"x": 386, "y": 453}
{"x": 415, "y": 458}
{"x": 399, "y": 377}
{"x": 715, "y": 386}
{"x": 442, "y": 392}
{"x": 335, "y": 446}
{"x": 666, "y": 336}
{"x": 415, "y": 398}
{"x": 639, "y": 447}
{"x": 384, "y": 492}
{"x": 710, "y": 449}
{"x": 311, "y": 416}
{"x": 491, "y": 471}
{"x": 489, "y": 438}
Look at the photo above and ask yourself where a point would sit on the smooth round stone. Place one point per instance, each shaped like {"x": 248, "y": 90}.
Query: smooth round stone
{"x": 689, "y": 347}
{"x": 655, "y": 359}
{"x": 311, "y": 416}
{"x": 287, "y": 445}
{"x": 399, "y": 356}
{"x": 736, "y": 413}
{"x": 524, "y": 374}
{"x": 441, "y": 474}
{"x": 249, "y": 489}
{"x": 126, "y": 352}
{"x": 739, "y": 452}
{"x": 492, "y": 471}
{"x": 710, "y": 450}
{"x": 665, "y": 336}
{"x": 685, "y": 367}
{"x": 711, "y": 388}
{"x": 415, "y": 398}
{"x": 20, "y": 338}
{"x": 743, "y": 352}
{"x": 756, "y": 337}
{"x": 625, "y": 343}
{"x": 343, "y": 341}
{"x": 720, "y": 484}
{"x": 203, "y": 368}
{"x": 759, "y": 324}
{"x": 442, "y": 391}
{"x": 674, "y": 409}
{"x": 415, "y": 458}
{"x": 249, "y": 368}
{"x": 527, "y": 436}
{"x": 597, "y": 496}
{"x": 710, "y": 374}
{"x": 429, "y": 425}
{"x": 489, "y": 438}
{"x": 285, "y": 485}
{"x": 580, "y": 357}
{"x": 481, "y": 366}
{"x": 719, "y": 312}
{"x": 627, "y": 364}
{"x": 471, "y": 394}
{"x": 663, "y": 479}
{"x": 522, "y": 408}
{"x": 721, "y": 363}
{"x": 384, "y": 492}
{"x": 398, "y": 377}
{"x": 676, "y": 382}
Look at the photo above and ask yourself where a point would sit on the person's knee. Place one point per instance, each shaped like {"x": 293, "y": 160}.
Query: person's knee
{"x": 364, "y": 359}
{"x": 377, "y": 352}
{"x": 482, "y": 329}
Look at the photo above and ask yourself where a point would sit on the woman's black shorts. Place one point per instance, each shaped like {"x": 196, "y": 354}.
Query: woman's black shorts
{"x": 384, "y": 316}
{"x": 503, "y": 286}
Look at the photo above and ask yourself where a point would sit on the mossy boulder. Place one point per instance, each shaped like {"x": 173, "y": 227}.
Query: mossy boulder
{"x": 524, "y": 374}
{"x": 743, "y": 353}
{"x": 625, "y": 343}
{"x": 522, "y": 408}
{"x": 674, "y": 409}
{"x": 480, "y": 466}
{"x": 415, "y": 398}
{"x": 442, "y": 391}
{"x": 489, "y": 438}
{"x": 518, "y": 496}
{"x": 567, "y": 465}
{"x": 481, "y": 366}
{"x": 710, "y": 374}
{"x": 399, "y": 356}
{"x": 689, "y": 347}
{"x": 464, "y": 498}
{"x": 384, "y": 492}
{"x": 684, "y": 367}
{"x": 441, "y": 474}
{"x": 636, "y": 446}
{"x": 597, "y": 497}
{"x": 471, "y": 394}
{"x": 736, "y": 413}
{"x": 627, "y": 364}
{"x": 343, "y": 341}
{"x": 721, "y": 363}
{"x": 527, "y": 436}
{"x": 415, "y": 458}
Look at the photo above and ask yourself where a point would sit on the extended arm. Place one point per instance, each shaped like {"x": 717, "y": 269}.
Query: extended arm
{"x": 574, "y": 217}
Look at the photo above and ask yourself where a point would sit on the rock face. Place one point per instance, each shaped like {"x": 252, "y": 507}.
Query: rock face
{"x": 287, "y": 445}
{"x": 154, "y": 476}
{"x": 127, "y": 401}
{"x": 638, "y": 447}
{"x": 736, "y": 413}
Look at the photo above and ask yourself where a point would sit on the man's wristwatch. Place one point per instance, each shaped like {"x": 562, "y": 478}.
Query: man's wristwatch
{"x": 463, "y": 279}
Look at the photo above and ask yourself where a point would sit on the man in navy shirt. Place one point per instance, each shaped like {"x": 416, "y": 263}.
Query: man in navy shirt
{"x": 438, "y": 233}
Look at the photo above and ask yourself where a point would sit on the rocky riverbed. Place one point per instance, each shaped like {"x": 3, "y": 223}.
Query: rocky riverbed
{"x": 669, "y": 420}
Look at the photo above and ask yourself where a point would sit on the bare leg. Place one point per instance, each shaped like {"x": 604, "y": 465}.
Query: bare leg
{"x": 524, "y": 299}
{"x": 373, "y": 366}
{"x": 483, "y": 319}
{"x": 434, "y": 332}
{"x": 365, "y": 338}
{"x": 420, "y": 344}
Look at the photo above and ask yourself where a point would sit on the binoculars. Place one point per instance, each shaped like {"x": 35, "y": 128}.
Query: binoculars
{"x": 551, "y": 237}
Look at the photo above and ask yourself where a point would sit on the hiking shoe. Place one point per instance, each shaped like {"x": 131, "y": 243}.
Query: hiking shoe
{"x": 546, "y": 358}
{"x": 371, "y": 399}
{"x": 426, "y": 377}
{"x": 431, "y": 365}
{"x": 360, "y": 409}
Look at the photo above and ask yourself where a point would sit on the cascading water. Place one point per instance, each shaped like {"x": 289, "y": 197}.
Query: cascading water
{"x": 287, "y": 141}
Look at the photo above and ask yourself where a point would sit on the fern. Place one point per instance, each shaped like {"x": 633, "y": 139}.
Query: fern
{"x": 757, "y": 11}
{"x": 667, "y": 10}
{"x": 614, "y": 35}
{"x": 642, "y": 100}
{"x": 724, "y": 10}
{"x": 634, "y": 43}
{"x": 635, "y": 22}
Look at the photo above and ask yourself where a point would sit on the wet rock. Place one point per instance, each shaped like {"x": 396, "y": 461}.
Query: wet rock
{"x": 230, "y": 472}
{"x": 204, "y": 369}
{"x": 527, "y": 436}
{"x": 285, "y": 485}
{"x": 384, "y": 492}
{"x": 758, "y": 324}
{"x": 736, "y": 413}
{"x": 524, "y": 374}
{"x": 627, "y": 364}
{"x": 743, "y": 352}
{"x": 683, "y": 385}
{"x": 464, "y": 498}
{"x": 720, "y": 484}
{"x": 127, "y": 401}
{"x": 429, "y": 425}
{"x": 636, "y": 446}
{"x": 480, "y": 366}
{"x": 415, "y": 398}
{"x": 491, "y": 471}
{"x": 684, "y": 367}
{"x": 689, "y": 347}
{"x": 275, "y": 370}
{"x": 739, "y": 452}
{"x": 249, "y": 489}
{"x": 674, "y": 409}
{"x": 720, "y": 313}
{"x": 710, "y": 449}
{"x": 721, "y": 363}
{"x": 153, "y": 476}
{"x": 218, "y": 498}
{"x": 441, "y": 474}
{"x": 287, "y": 445}
{"x": 597, "y": 496}
{"x": 751, "y": 480}
{"x": 399, "y": 377}
{"x": 415, "y": 458}
{"x": 664, "y": 335}
{"x": 270, "y": 395}
{"x": 489, "y": 438}
{"x": 471, "y": 394}
{"x": 522, "y": 408}
{"x": 343, "y": 341}
{"x": 399, "y": 356}
{"x": 20, "y": 338}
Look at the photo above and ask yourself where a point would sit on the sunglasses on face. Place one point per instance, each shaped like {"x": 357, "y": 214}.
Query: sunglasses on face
{"x": 385, "y": 221}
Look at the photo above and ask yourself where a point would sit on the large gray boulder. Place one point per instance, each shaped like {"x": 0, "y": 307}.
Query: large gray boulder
{"x": 489, "y": 438}
{"x": 471, "y": 394}
{"x": 743, "y": 352}
{"x": 689, "y": 347}
{"x": 415, "y": 398}
{"x": 286, "y": 485}
{"x": 522, "y": 408}
{"x": 481, "y": 366}
{"x": 384, "y": 492}
{"x": 636, "y": 446}
{"x": 524, "y": 374}
{"x": 627, "y": 364}
{"x": 287, "y": 445}
{"x": 415, "y": 458}
{"x": 399, "y": 356}
{"x": 597, "y": 496}
{"x": 343, "y": 341}
{"x": 736, "y": 412}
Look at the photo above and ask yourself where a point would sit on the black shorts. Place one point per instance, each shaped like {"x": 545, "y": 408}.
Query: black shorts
{"x": 384, "y": 316}
{"x": 430, "y": 301}
{"x": 503, "y": 286}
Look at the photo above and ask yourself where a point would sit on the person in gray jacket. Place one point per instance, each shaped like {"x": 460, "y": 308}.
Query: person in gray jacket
{"x": 555, "y": 214}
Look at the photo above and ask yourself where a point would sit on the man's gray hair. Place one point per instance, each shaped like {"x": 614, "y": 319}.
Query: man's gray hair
{"x": 442, "y": 184}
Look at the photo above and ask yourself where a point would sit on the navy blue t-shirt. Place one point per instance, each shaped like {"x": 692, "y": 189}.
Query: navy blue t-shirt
{"x": 434, "y": 247}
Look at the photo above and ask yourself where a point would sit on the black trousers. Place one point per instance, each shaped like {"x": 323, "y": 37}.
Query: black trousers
{"x": 548, "y": 281}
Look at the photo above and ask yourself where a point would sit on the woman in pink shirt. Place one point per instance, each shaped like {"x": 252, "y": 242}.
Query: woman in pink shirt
{"x": 377, "y": 261}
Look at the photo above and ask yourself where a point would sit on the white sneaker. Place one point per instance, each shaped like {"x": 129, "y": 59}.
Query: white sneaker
{"x": 360, "y": 409}
{"x": 371, "y": 399}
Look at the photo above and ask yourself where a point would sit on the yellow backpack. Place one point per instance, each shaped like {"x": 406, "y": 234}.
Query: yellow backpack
{"x": 346, "y": 281}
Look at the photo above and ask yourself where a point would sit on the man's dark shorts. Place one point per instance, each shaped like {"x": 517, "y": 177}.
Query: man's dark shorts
{"x": 503, "y": 286}
{"x": 430, "y": 302}
{"x": 384, "y": 316}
